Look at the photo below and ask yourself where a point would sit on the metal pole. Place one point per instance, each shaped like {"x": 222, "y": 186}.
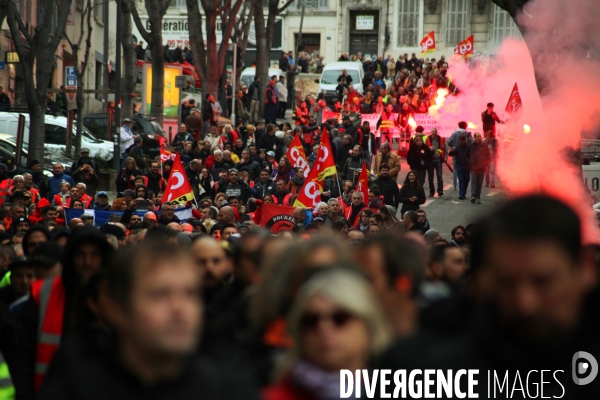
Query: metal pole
{"x": 297, "y": 54}
{"x": 117, "y": 130}
{"x": 233, "y": 82}
{"x": 105, "y": 51}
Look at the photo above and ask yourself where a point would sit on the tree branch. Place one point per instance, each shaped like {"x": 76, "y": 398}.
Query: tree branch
{"x": 12, "y": 7}
{"x": 138, "y": 23}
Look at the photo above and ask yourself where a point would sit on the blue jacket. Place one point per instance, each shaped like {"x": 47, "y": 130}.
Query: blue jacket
{"x": 55, "y": 181}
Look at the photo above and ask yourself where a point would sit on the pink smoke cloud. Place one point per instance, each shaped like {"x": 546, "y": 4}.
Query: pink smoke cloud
{"x": 535, "y": 162}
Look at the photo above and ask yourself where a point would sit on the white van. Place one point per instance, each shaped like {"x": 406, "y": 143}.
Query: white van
{"x": 248, "y": 74}
{"x": 332, "y": 71}
{"x": 56, "y": 135}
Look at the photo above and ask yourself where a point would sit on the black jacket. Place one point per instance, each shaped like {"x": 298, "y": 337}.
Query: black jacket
{"x": 71, "y": 280}
{"x": 263, "y": 189}
{"x": 389, "y": 189}
{"x": 419, "y": 157}
{"x": 406, "y": 193}
{"x": 89, "y": 368}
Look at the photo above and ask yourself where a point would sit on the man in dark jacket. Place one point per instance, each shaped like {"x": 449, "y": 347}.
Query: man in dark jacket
{"x": 479, "y": 161}
{"x": 167, "y": 214}
{"x": 387, "y": 186}
{"x": 182, "y": 136}
{"x": 87, "y": 252}
{"x": 463, "y": 169}
{"x": 248, "y": 164}
{"x": 268, "y": 141}
{"x": 208, "y": 113}
{"x": 264, "y": 185}
{"x": 156, "y": 182}
{"x": 419, "y": 158}
{"x": 236, "y": 187}
{"x": 270, "y": 98}
{"x": 84, "y": 159}
{"x": 170, "y": 325}
{"x": 345, "y": 150}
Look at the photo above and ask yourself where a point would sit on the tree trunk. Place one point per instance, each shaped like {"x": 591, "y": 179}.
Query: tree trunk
{"x": 213, "y": 67}
{"x": 129, "y": 74}
{"x": 262, "y": 52}
{"x": 158, "y": 77}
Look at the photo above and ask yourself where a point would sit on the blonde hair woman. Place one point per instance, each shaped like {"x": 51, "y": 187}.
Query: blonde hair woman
{"x": 336, "y": 323}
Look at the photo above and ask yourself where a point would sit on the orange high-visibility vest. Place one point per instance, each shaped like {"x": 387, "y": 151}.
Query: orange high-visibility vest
{"x": 49, "y": 296}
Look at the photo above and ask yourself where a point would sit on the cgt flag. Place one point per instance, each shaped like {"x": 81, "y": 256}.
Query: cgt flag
{"x": 362, "y": 185}
{"x": 166, "y": 155}
{"x": 428, "y": 44}
{"x": 514, "y": 106}
{"x": 465, "y": 48}
{"x": 296, "y": 155}
{"x": 310, "y": 193}
{"x": 326, "y": 163}
{"x": 178, "y": 189}
{"x": 277, "y": 218}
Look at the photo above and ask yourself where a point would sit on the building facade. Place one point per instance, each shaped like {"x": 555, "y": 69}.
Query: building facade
{"x": 103, "y": 40}
{"x": 382, "y": 27}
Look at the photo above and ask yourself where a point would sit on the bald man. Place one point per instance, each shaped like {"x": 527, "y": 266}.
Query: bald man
{"x": 175, "y": 226}
{"x": 299, "y": 215}
{"x": 226, "y": 215}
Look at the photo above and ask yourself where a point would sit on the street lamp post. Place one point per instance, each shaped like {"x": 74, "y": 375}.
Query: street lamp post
{"x": 117, "y": 120}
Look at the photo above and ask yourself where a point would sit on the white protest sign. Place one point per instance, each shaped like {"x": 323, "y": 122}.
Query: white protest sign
{"x": 428, "y": 122}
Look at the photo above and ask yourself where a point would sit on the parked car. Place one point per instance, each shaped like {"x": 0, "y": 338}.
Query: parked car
{"x": 8, "y": 148}
{"x": 55, "y": 137}
{"x": 147, "y": 127}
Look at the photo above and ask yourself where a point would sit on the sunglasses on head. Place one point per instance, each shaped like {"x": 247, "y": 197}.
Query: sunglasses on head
{"x": 338, "y": 319}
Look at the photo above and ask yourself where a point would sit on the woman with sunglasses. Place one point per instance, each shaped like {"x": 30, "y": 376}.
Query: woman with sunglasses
{"x": 336, "y": 323}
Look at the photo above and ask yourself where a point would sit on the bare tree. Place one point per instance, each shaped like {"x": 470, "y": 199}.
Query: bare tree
{"x": 85, "y": 30}
{"x": 156, "y": 10}
{"x": 36, "y": 53}
{"x": 129, "y": 74}
{"x": 241, "y": 31}
{"x": 209, "y": 57}
{"x": 264, "y": 37}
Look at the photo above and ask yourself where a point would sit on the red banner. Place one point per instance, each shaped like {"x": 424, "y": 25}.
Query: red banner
{"x": 465, "y": 48}
{"x": 514, "y": 106}
{"x": 362, "y": 185}
{"x": 428, "y": 44}
{"x": 166, "y": 155}
{"x": 277, "y": 218}
{"x": 178, "y": 189}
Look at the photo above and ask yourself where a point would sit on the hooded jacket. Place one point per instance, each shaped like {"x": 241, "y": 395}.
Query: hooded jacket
{"x": 71, "y": 281}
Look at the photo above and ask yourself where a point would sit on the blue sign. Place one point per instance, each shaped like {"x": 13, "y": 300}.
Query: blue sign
{"x": 1, "y": 65}
{"x": 71, "y": 78}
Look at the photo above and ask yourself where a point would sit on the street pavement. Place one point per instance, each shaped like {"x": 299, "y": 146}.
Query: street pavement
{"x": 446, "y": 212}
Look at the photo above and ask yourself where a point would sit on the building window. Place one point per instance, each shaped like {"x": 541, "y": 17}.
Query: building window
{"x": 98, "y": 10}
{"x": 504, "y": 26}
{"x": 456, "y": 21}
{"x": 408, "y": 23}
{"x": 180, "y": 4}
{"x": 310, "y": 4}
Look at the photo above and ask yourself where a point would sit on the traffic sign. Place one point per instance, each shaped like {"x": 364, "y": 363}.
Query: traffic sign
{"x": 71, "y": 81}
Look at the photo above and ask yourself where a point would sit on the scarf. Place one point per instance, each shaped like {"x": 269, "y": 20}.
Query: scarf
{"x": 320, "y": 384}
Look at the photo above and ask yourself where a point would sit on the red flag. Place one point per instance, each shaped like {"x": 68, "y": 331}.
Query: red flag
{"x": 514, "y": 106}
{"x": 327, "y": 164}
{"x": 433, "y": 90}
{"x": 465, "y": 48}
{"x": 277, "y": 218}
{"x": 166, "y": 155}
{"x": 428, "y": 44}
{"x": 178, "y": 189}
{"x": 310, "y": 193}
{"x": 362, "y": 185}
{"x": 296, "y": 155}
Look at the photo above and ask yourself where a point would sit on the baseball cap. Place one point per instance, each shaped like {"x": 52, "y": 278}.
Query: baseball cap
{"x": 21, "y": 220}
{"x": 104, "y": 194}
{"x": 126, "y": 120}
{"x": 84, "y": 150}
{"x": 271, "y": 153}
{"x": 150, "y": 215}
{"x": 129, "y": 192}
{"x": 20, "y": 262}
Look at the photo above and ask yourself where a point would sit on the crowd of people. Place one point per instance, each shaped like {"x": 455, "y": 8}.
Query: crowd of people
{"x": 148, "y": 306}
{"x": 215, "y": 306}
